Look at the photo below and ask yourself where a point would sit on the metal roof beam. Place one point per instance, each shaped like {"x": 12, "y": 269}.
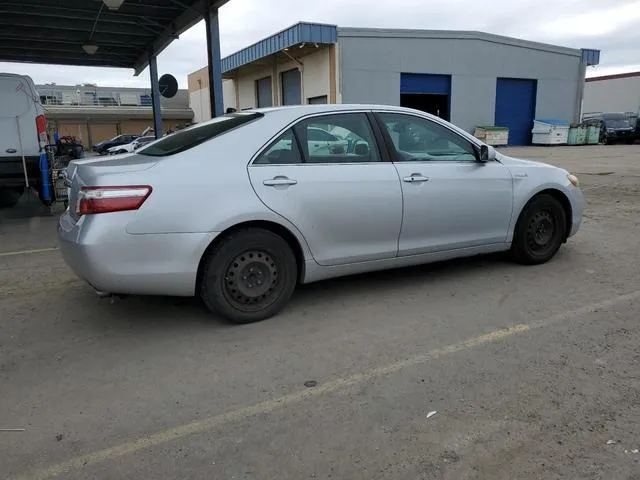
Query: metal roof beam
{"x": 76, "y": 14}
{"x": 35, "y": 43}
{"x": 74, "y": 26}
{"x": 74, "y": 37}
{"x": 79, "y": 53}
{"x": 64, "y": 60}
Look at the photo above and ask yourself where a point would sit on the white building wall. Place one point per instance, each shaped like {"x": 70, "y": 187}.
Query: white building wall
{"x": 200, "y": 104}
{"x": 612, "y": 95}
{"x": 315, "y": 78}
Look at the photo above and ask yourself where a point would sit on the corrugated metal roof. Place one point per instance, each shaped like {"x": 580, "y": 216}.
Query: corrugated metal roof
{"x": 296, "y": 34}
{"x": 53, "y": 32}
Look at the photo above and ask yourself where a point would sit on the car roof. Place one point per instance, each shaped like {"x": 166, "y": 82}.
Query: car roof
{"x": 329, "y": 107}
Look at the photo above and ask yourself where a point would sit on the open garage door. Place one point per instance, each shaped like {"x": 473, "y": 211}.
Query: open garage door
{"x": 429, "y": 93}
{"x": 516, "y": 108}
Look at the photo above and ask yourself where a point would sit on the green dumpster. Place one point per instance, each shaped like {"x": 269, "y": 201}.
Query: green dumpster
{"x": 593, "y": 134}
{"x": 577, "y": 135}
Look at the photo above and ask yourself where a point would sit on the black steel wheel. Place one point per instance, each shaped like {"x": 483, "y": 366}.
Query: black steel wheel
{"x": 249, "y": 276}
{"x": 540, "y": 231}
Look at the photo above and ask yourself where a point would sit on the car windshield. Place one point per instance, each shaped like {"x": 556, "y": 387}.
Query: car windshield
{"x": 197, "y": 134}
{"x": 617, "y": 122}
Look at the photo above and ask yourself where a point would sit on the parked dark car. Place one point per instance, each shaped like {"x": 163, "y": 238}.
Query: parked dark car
{"x": 102, "y": 147}
{"x": 615, "y": 127}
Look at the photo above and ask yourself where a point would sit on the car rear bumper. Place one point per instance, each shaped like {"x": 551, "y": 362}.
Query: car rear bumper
{"x": 98, "y": 249}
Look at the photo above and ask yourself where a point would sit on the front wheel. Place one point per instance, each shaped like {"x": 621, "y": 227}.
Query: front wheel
{"x": 249, "y": 276}
{"x": 540, "y": 231}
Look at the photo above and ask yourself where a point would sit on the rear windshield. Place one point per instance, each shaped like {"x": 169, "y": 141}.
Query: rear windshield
{"x": 197, "y": 134}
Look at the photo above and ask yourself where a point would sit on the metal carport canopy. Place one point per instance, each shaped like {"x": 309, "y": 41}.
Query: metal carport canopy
{"x": 55, "y": 31}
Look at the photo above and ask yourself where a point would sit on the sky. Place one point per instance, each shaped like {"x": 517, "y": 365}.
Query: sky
{"x": 613, "y": 26}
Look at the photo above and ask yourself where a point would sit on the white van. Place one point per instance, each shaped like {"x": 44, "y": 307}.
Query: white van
{"x": 23, "y": 130}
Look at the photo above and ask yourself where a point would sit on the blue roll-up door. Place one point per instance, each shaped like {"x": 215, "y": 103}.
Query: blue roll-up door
{"x": 425, "y": 83}
{"x": 264, "y": 92}
{"x": 516, "y": 108}
{"x": 291, "y": 87}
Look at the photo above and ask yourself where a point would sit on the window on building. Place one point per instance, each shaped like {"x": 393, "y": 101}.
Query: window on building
{"x": 264, "y": 92}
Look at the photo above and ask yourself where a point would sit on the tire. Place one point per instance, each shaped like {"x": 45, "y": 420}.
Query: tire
{"x": 249, "y": 276}
{"x": 9, "y": 196}
{"x": 540, "y": 231}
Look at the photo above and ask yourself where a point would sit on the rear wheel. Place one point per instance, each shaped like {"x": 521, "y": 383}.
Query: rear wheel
{"x": 9, "y": 196}
{"x": 540, "y": 231}
{"x": 249, "y": 276}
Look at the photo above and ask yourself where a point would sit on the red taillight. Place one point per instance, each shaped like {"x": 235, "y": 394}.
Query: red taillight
{"x": 41, "y": 126}
{"x": 92, "y": 200}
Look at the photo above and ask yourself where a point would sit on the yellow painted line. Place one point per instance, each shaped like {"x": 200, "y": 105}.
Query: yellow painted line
{"x": 28, "y": 252}
{"x": 268, "y": 406}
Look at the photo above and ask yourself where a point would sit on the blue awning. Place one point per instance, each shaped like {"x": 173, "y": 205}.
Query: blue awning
{"x": 314, "y": 33}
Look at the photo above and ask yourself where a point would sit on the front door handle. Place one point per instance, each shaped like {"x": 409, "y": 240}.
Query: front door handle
{"x": 415, "y": 178}
{"x": 277, "y": 181}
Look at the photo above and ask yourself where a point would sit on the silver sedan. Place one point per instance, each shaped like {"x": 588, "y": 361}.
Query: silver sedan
{"x": 239, "y": 209}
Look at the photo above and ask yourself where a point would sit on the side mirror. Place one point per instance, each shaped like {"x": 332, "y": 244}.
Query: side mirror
{"x": 487, "y": 154}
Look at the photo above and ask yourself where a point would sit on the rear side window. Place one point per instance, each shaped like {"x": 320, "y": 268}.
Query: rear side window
{"x": 193, "y": 136}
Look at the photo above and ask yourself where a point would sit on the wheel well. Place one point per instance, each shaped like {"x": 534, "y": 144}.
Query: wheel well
{"x": 283, "y": 232}
{"x": 566, "y": 206}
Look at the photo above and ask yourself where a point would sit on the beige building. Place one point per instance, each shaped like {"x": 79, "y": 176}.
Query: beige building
{"x": 305, "y": 73}
{"x": 612, "y": 93}
{"x": 93, "y": 114}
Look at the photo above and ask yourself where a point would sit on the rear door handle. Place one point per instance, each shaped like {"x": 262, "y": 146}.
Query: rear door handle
{"x": 277, "y": 181}
{"x": 415, "y": 178}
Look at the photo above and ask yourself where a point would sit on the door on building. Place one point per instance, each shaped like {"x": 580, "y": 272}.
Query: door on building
{"x": 291, "y": 87}
{"x": 320, "y": 100}
{"x": 100, "y": 132}
{"x": 425, "y": 92}
{"x": 348, "y": 206}
{"x": 451, "y": 201}
{"x": 264, "y": 92}
{"x": 516, "y": 108}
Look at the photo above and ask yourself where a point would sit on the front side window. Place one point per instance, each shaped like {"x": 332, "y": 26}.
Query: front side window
{"x": 418, "y": 139}
{"x": 337, "y": 138}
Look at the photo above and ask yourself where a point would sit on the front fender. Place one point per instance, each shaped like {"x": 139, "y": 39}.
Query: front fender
{"x": 525, "y": 190}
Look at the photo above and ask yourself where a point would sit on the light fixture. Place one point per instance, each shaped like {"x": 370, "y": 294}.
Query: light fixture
{"x": 90, "y": 48}
{"x": 113, "y": 4}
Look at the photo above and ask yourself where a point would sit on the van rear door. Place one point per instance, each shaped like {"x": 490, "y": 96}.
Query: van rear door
{"x": 20, "y": 106}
